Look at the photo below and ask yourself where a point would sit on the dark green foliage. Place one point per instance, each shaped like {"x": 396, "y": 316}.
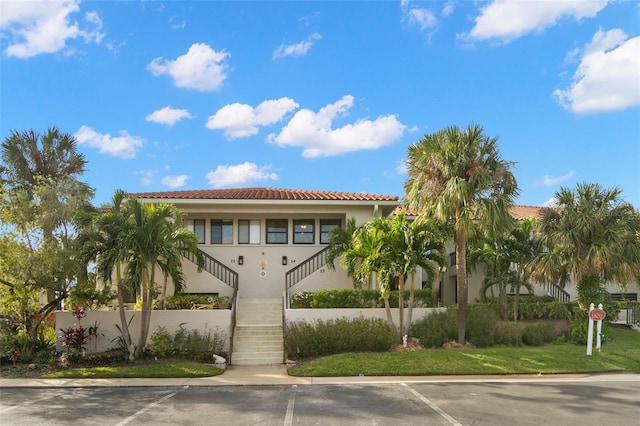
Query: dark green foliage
{"x": 538, "y": 334}
{"x": 303, "y": 339}
{"x": 531, "y": 307}
{"x": 111, "y": 357}
{"x": 186, "y": 301}
{"x": 187, "y": 344}
{"x": 436, "y": 329}
{"x": 352, "y": 298}
{"x": 508, "y": 334}
{"x": 482, "y": 322}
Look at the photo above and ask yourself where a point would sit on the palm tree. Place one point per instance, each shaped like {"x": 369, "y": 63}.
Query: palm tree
{"x": 155, "y": 241}
{"x": 102, "y": 240}
{"x": 592, "y": 235}
{"x": 393, "y": 249}
{"x": 341, "y": 240}
{"x": 458, "y": 176}
{"x": 508, "y": 260}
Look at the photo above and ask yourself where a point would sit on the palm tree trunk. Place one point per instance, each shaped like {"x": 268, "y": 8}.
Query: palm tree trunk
{"x": 387, "y": 308}
{"x": 164, "y": 292}
{"x": 411, "y": 300}
{"x": 461, "y": 274}
{"x": 145, "y": 317}
{"x": 401, "y": 303}
{"x": 120, "y": 289}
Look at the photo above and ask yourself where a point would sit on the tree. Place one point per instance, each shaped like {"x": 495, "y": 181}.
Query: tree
{"x": 341, "y": 240}
{"x": 458, "y": 176}
{"x": 393, "y": 249}
{"x": 591, "y": 235}
{"x": 508, "y": 260}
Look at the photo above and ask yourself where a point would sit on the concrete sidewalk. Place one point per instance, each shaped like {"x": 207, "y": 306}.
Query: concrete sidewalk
{"x": 277, "y": 375}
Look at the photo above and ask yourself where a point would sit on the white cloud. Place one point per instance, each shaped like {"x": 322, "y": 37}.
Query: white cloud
{"x": 551, "y": 202}
{"x": 123, "y": 146}
{"x": 147, "y": 176}
{"x": 507, "y": 20}
{"x": 36, "y": 27}
{"x": 312, "y": 131}
{"x": 201, "y": 68}
{"x": 607, "y": 77}
{"x": 168, "y": 116}
{"x": 422, "y": 17}
{"x": 401, "y": 167}
{"x": 297, "y": 49}
{"x": 242, "y": 120}
{"x": 554, "y": 180}
{"x": 175, "y": 181}
{"x": 240, "y": 175}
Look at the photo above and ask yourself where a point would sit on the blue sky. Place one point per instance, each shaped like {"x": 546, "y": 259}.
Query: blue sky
{"x": 172, "y": 95}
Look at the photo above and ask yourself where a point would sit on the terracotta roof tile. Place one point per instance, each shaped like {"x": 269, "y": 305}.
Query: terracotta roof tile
{"x": 518, "y": 212}
{"x": 262, "y": 194}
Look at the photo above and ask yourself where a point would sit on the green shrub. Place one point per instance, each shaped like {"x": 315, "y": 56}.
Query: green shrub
{"x": 111, "y": 357}
{"x": 482, "y": 322}
{"x": 351, "y": 298}
{"x": 188, "y": 344}
{"x": 436, "y": 329}
{"x": 538, "y": 334}
{"x": 508, "y": 333}
{"x": 303, "y": 339}
{"x": 186, "y": 301}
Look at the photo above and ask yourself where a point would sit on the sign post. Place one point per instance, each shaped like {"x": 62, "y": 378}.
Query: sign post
{"x": 595, "y": 315}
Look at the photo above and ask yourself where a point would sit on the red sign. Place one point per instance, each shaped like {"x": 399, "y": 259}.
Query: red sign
{"x": 597, "y": 314}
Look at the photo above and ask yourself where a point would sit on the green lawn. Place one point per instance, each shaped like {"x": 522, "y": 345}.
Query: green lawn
{"x": 176, "y": 369}
{"x": 621, "y": 352}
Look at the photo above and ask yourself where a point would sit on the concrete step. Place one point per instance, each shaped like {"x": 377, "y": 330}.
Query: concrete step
{"x": 242, "y": 360}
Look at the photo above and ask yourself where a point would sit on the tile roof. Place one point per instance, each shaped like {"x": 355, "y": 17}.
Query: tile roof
{"x": 518, "y": 212}
{"x": 262, "y": 194}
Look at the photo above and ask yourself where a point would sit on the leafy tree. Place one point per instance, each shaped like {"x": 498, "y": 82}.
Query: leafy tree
{"x": 508, "y": 260}
{"x": 458, "y": 176}
{"x": 393, "y": 249}
{"x": 40, "y": 202}
{"x": 134, "y": 240}
{"x": 341, "y": 240}
{"x": 591, "y": 234}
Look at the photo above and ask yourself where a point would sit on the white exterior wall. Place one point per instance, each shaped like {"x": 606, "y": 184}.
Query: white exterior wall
{"x": 311, "y": 315}
{"x": 202, "y": 320}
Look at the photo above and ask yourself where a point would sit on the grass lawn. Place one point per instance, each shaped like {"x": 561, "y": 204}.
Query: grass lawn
{"x": 621, "y": 352}
{"x": 164, "y": 370}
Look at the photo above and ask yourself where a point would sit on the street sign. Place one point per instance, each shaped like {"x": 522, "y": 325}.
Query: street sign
{"x": 597, "y": 314}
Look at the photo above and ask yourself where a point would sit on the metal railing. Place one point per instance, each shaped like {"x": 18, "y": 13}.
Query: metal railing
{"x": 556, "y": 291}
{"x": 217, "y": 269}
{"x": 303, "y": 270}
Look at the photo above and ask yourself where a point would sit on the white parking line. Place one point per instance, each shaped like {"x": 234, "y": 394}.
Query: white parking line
{"x": 150, "y": 406}
{"x": 433, "y": 406}
{"x": 288, "y": 418}
{"x": 4, "y": 410}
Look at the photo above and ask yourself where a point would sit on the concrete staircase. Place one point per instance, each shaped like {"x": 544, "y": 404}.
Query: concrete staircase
{"x": 258, "y": 336}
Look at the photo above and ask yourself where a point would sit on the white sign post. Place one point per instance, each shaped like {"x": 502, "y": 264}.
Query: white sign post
{"x": 595, "y": 315}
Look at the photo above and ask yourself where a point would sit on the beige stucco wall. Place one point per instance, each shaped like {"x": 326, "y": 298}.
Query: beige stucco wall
{"x": 212, "y": 320}
{"x": 311, "y": 315}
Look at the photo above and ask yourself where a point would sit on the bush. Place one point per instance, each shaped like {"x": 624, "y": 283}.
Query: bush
{"x": 508, "y": 333}
{"x": 538, "y": 334}
{"x": 186, "y": 301}
{"x": 436, "y": 329}
{"x": 111, "y": 357}
{"x": 351, "y": 298}
{"x": 188, "y": 344}
{"x": 303, "y": 339}
{"x": 482, "y": 322}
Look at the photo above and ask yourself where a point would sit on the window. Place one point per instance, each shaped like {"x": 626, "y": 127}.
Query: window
{"x": 221, "y": 232}
{"x": 197, "y": 227}
{"x": 248, "y": 231}
{"x": 277, "y": 231}
{"x": 303, "y": 231}
{"x": 326, "y": 226}
{"x": 452, "y": 258}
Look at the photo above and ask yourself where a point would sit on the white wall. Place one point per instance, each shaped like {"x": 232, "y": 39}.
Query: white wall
{"x": 311, "y": 315}
{"x": 205, "y": 319}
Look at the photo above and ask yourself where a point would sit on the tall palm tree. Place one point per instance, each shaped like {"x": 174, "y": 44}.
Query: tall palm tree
{"x": 28, "y": 155}
{"x": 393, "y": 249}
{"x": 341, "y": 240}
{"x": 155, "y": 241}
{"x": 459, "y": 177}
{"x": 592, "y": 235}
{"x": 103, "y": 241}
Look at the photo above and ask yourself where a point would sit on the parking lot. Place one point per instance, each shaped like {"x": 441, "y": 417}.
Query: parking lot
{"x": 614, "y": 401}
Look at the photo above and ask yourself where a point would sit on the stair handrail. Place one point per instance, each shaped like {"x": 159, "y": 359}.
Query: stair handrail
{"x": 216, "y": 268}
{"x": 303, "y": 269}
{"x": 556, "y": 291}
